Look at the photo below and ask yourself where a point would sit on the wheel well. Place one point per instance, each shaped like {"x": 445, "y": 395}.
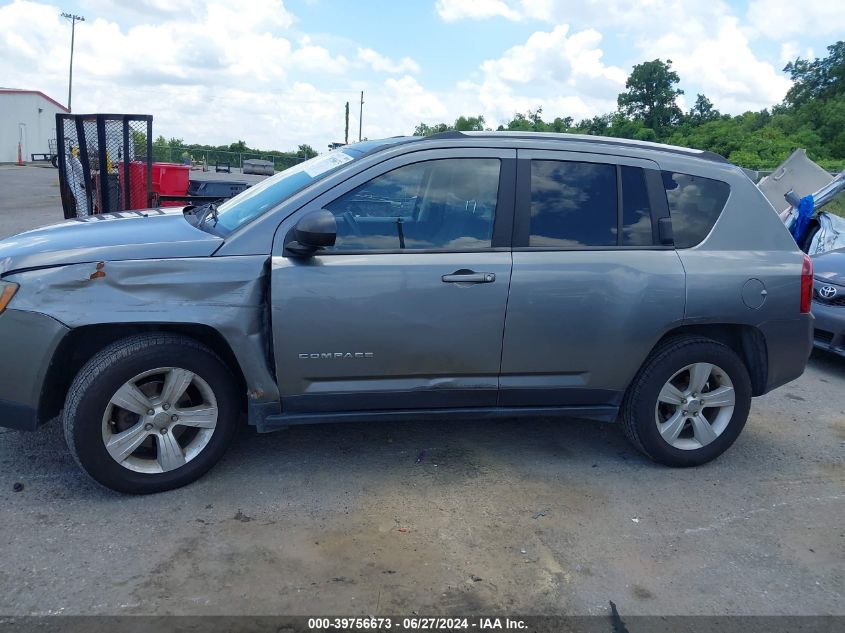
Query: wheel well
{"x": 746, "y": 340}
{"x": 81, "y": 343}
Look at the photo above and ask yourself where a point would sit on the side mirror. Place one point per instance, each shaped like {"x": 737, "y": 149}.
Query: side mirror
{"x": 314, "y": 231}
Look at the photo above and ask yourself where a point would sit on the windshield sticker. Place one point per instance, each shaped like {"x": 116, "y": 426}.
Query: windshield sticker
{"x": 323, "y": 164}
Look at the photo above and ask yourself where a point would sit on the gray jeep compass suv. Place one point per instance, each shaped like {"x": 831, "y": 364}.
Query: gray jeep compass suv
{"x": 461, "y": 275}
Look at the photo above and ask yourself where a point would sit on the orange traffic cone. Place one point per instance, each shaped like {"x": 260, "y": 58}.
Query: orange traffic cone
{"x": 20, "y": 155}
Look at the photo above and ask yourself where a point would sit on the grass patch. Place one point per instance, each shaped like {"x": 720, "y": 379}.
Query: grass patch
{"x": 837, "y": 205}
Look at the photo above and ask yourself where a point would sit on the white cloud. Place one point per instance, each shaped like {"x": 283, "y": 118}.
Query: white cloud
{"x": 408, "y": 99}
{"x": 216, "y": 71}
{"x": 791, "y": 50}
{"x": 453, "y": 10}
{"x": 711, "y": 48}
{"x": 382, "y": 64}
{"x": 779, "y": 19}
{"x": 723, "y": 67}
{"x": 311, "y": 57}
{"x": 213, "y": 73}
{"x": 562, "y": 72}
{"x": 624, "y": 14}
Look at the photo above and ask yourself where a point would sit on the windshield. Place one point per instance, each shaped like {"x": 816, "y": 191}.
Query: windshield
{"x": 259, "y": 198}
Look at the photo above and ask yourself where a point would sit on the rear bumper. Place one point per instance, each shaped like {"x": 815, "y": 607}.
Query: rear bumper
{"x": 829, "y": 328}
{"x": 28, "y": 342}
{"x": 788, "y": 346}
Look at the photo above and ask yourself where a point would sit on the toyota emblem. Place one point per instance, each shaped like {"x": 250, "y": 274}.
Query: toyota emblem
{"x": 827, "y": 292}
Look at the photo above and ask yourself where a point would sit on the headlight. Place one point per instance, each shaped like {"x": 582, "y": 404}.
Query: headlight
{"x": 7, "y": 291}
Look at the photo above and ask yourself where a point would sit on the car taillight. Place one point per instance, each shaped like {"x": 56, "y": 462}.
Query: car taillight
{"x": 806, "y": 284}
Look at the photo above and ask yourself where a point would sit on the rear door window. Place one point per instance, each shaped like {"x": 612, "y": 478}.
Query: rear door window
{"x": 695, "y": 204}
{"x": 573, "y": 204}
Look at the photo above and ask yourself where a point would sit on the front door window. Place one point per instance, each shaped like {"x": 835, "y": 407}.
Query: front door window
{"x": 446, "y": 205}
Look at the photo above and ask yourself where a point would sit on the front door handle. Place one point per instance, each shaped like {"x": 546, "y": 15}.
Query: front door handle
{"x": 465, "y": 276}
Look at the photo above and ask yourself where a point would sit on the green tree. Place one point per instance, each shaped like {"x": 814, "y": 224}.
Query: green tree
{"x": 423, "y": 129}
{"x": 240, "y": 146}
{"x": 470, "y": 123}
{"x": 560, "y": 124}
{"x": 306, "y": 151}
{"x": 817, "y": 79}
{"x": 703, "y": 111}
{"x": 623, "y": 127}
{"x": 598, "y": 125}
{"x": 651, "y": 93}
{"x": 531, "y": 121}
{"x": 520, "y": 123}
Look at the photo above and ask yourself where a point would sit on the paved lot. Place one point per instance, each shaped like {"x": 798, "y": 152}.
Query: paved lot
{"x": 515, "y": 516}
{"x": 29, "y": 196}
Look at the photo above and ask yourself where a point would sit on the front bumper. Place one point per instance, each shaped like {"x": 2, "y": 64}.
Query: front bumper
{"x": 28, "y": 342}
{"x": 829, "y": 333}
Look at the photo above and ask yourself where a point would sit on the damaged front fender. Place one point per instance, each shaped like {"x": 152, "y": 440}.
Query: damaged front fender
{"x": 228, "y": 294}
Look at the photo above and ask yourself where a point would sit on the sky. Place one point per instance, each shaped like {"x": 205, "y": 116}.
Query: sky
{"x": 277, "y": 73}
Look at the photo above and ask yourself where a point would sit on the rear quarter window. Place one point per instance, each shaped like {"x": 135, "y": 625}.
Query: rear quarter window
{"x": 695, "y": 204}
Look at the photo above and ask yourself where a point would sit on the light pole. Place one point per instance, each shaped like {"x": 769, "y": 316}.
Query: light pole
{"x": 361, "y": 117}
{"x": 73, "y": 20}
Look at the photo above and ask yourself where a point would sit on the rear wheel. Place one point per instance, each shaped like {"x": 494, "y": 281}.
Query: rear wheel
{"x": 150, "y": 413}
{"x": 688, "y": 403}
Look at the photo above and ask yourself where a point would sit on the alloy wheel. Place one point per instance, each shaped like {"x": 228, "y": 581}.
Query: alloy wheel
{"x": 159, "y": 420}
{"x": 695, "y": 406}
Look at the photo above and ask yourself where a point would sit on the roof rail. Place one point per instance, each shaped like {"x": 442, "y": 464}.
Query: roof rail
{"x": 564, "y": 137}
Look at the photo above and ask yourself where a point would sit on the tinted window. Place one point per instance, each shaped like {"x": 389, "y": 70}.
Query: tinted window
{"x": 445, "y": 204}
{"x": 572, "y": 204}
{"x": 259, "y": 198}
{"x": 636, "y": 211}
{"x": 694, "y": 204}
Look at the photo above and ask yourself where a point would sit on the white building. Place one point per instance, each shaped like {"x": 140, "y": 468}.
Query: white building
{"x": 28, "y": 117}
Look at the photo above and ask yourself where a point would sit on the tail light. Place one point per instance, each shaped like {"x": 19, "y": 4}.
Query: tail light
{"x": 806, "y": 284}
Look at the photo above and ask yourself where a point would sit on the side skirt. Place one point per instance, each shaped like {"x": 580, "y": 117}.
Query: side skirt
{"x": 281, "y": 421}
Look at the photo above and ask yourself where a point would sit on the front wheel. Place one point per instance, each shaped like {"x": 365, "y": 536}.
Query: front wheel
{"x": 150, "y": 413}
{"x": 688, "y": 403}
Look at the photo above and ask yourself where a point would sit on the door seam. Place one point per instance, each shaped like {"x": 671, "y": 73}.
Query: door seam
{"x": 504, "y": 328}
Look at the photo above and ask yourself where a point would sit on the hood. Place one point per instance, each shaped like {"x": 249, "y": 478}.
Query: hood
{"x": 148, "y": 234}
{"x": 830, "y": 266}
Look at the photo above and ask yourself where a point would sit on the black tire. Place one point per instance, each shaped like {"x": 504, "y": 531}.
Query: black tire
{"x": 638, "y": 408}
{"x": 54, "y": 161}
{"x": 101, "y": 377}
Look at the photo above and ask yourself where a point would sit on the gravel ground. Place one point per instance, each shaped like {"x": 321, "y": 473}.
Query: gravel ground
{"x": 529, "y": 516}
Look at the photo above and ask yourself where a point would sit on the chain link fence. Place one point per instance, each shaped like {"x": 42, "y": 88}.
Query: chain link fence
{"x": 219, "y": 158}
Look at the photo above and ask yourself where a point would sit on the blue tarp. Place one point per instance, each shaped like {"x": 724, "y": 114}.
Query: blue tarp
{"x": 802, "y": 219}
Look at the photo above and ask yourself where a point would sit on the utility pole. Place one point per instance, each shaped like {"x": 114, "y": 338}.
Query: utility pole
{"x": 361, "y": 116}
{"x": 73, "y": 20}
{"x": 346, "y": 133}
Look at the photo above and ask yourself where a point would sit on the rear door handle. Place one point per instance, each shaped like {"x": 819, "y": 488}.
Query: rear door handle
{"x": 464, "y": 276}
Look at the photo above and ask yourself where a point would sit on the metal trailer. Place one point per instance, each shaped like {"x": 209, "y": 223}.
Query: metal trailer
{"x": 112, "y": 167}
{"x": 51, "y": 156}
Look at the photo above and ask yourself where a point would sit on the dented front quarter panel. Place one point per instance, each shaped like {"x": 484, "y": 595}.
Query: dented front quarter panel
{"x": 228, "y": 294}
